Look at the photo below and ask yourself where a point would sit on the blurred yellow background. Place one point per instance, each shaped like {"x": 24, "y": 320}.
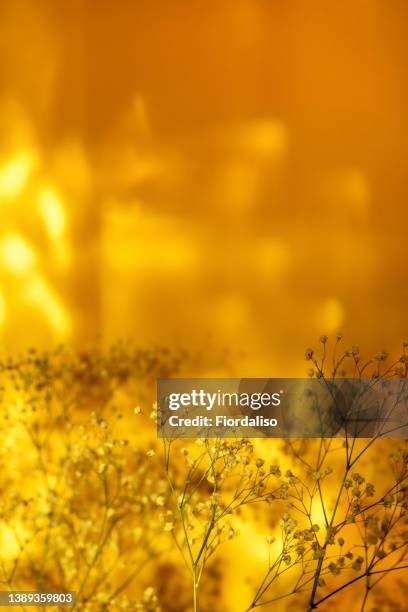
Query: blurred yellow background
{"x": 222, "y": 176}
{"x": 227, "y": 177}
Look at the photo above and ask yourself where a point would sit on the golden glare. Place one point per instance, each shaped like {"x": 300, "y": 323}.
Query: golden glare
{"x": 39, "y": 294}
{"x": 53, "y": 213}
{"x": 16, "y": 254}
{"x": 331, "y": 315}
{"x": 265, "y": 139}
{"x": 15, "y": 174}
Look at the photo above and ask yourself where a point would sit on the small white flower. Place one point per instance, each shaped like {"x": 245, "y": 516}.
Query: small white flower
{"x": 169, "y": 526}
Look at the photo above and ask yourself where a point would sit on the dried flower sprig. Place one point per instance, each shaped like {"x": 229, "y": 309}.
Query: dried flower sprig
{"x": 362, "y": 536}
{"x": 218, "y": 478}
{"x": 80, "y": 503}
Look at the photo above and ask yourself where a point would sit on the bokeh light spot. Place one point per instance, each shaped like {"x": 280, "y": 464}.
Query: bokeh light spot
{"x": 15, "y": 174}
{"x": 16, "y": 254}
{"x": 52, "y": 212}
{"x": 39, "y": 294}
{"x": 331, "y": 316}
{"x": 265, "y": 138}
